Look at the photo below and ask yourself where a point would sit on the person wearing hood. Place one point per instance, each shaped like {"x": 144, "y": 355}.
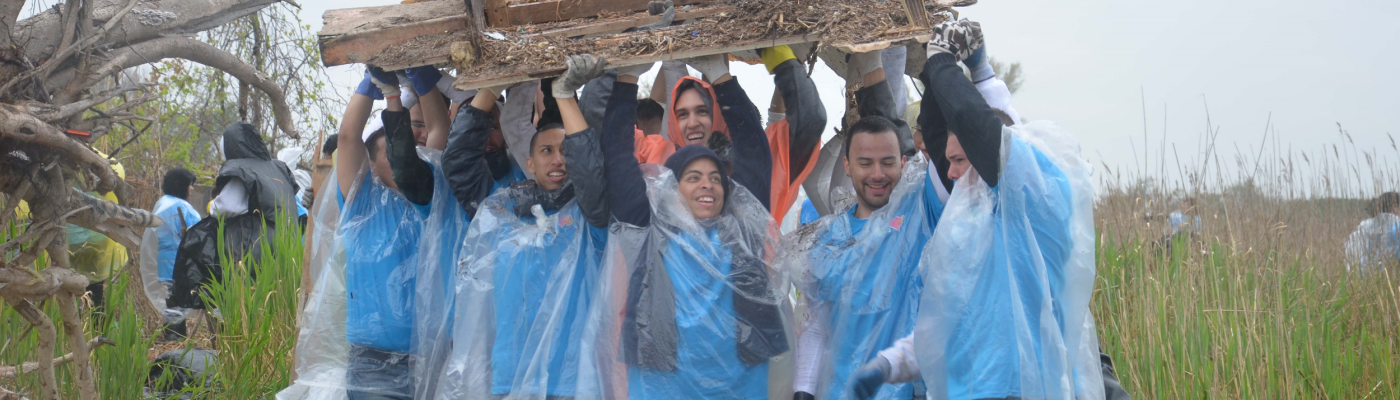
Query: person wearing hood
{"x": 251, "y": 194}
{"x": 690, "y": 308}
{"x": 1376, "y": 240}
{"x": 1013, "y": 247}
{"x": 540, "y": 244}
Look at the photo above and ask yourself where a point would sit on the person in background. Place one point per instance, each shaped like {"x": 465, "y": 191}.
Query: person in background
{"x": 177, "y": 212}
{"x": 1184, "y": 218}
{"x": 1376, "y": 240}
{"x": 651, "y": 145}
{"x": 95, "y": 255}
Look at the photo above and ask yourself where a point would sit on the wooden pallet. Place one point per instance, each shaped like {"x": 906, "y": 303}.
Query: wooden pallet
{"x": 447, "y": 29}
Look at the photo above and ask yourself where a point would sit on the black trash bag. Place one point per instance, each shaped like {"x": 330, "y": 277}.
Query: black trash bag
{"x": 185, "y": 367}
{"x": 197, "y": 259}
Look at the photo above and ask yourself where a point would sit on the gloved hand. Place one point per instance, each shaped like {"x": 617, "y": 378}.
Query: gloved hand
{"x": 423, "y": 79}
{"x": 712, "y": 66}
{"x": 866, "y": 381}
{"x": 387, "y": 82}
{"x": 980, "y": 65}
{"x": 859, "y": 64}
{"x": 635, "y": 70}
{"x": 667, "y": 11}
{"x": 582, "y": 68}
{"x": 803, "y": 396}
{"x": 368, "y": 88}
{"x": 959, "y": 38}
{"x": 773, "y": 56}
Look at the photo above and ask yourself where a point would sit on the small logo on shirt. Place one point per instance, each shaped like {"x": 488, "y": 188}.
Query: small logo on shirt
{"x": 896, "y": 223}
{"x": 566, "y": 220}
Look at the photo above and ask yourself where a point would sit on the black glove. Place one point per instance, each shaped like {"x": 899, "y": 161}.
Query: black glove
{"x": 803, "y": 396}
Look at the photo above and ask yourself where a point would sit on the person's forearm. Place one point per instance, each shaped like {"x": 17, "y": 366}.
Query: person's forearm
{"x": 904, "y": 364}
{"x": 464, "y": 161}
{"x": 876, "y": 99}
{"x": 517, "y": 118}
{"x": 584, "y": 159}
{"x": 626, "y": 186}
{"x": 807, "y": 117}
{"x": 350, "y": 145}
{"x": 753, "y": 161}
{"x": 966, "y": 114}
{"x": 435, "y": 116}
{"x": 413, "y": 176}
{"x": 809, "y": 347}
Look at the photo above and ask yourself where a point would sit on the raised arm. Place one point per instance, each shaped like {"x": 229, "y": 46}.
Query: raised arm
{"x": 517, "y": 118}
{"x": 875, "y": 97}
{"x": 412, "y": 174}
{"x": 753, "y": 161}
{"x": 952, "y": 104}
{"x": 351, "y": 154}
{"x": 802, "y": 106}
{"x": 582, "y": 156}
{"x": 627, "y": 189}
{"x": 464, "y": 161}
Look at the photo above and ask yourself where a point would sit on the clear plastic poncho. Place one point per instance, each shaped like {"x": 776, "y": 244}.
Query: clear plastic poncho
{"x": 690, "y": 309}
{"x": 159, "y": 245}
{"x": 525, "y": 279}
{"x": 358, "y": 322}
{"x": 1008, "y": 277}
{"x": 860, "y": 282}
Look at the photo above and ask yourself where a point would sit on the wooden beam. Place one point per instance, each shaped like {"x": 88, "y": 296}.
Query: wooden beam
{"x": 496, "y": 76}
{"x": 354, "y": 35}
{"x": 502, "y": 14}
{"x": 594, "y": 28}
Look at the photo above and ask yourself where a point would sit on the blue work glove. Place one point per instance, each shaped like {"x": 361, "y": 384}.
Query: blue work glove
{"x": 367, "y": 88}
{"x": 866, "y": 382}
{"x": 979, "y": 65}
{"x": 423, "y": 78}
{"x": 387, "y": 82}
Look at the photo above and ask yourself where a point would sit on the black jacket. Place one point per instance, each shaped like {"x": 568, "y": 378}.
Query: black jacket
{"x": 412, "y": 175}
{"x": 464, "y": 161}
{"x": 271, "y": 188}
{"x": 951, "y": 102}
{"x": 806, "y": 116}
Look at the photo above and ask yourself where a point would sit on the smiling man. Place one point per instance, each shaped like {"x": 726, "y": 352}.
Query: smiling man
{"x": 860, "y": 267}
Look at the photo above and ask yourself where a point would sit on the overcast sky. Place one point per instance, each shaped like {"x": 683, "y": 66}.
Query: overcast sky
{"x": 1090, "y": 66}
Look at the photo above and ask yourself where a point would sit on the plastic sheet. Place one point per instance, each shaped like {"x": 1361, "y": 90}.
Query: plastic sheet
{"x": 690, "y": 309}
{"x": 197, "y": 258}
{"x": 357, "y": 327}
{"x": 860, "y": 282}
{"x": 1374, "y": 242}
{"x": 828, "y": 185}
{"x": 523, "y": 289}
{"x": 1009, "y": 274}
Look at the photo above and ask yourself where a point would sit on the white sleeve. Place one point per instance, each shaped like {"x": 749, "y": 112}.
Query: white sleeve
{"x": 674, "y": 70}
{"x": 517, "y": 121}
{"x": 904, "y": 366}
{"x": 998, "y": 96}
{"x": 773, "y": 118}
{"x": 232, "y": 200}
{"x": 809, "y": 346}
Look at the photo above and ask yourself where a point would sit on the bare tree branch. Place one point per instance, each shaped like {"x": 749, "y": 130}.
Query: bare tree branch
{"x": 18, "y": 124}
{"x": 40, "y": 34}
{"x": 10, "y": 371}
{"x": 203, "y": 53}
{"x": 75, "y": 108}
{"x": 92, "y": 39}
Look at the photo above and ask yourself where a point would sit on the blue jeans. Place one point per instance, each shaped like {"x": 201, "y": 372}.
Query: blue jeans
{"x": 376, "y": 374}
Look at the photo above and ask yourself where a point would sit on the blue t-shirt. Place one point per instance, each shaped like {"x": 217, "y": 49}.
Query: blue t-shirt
{"x": 707, "y": 357}
{"x": 380, "y": 229}
{"x": 983, "y": 359}
{"x": 809, "y": 213}
{"x": 171, "y": 209}
{"x": 528, "y": 274}
{"x": 873, "y": 293}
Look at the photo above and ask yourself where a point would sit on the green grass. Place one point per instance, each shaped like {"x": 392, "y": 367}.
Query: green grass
{"x": 1188, "y": 325}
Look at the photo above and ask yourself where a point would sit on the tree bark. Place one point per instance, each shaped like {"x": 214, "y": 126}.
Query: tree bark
{"x": 42, "y": 33}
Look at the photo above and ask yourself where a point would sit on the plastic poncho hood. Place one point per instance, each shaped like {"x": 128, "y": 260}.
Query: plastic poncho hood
{"x": 1009, "y": 273}
{"x": 860, "y": 281}
{"x": 690, "y": 309}
{"x": 524, "y": 284}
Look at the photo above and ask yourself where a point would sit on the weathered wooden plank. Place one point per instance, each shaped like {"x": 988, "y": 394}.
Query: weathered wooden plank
{"x": 618, "y": 25}
{"x": 488, "y": 77}
{"x": 355, "y": 35}
{"x": 563, "y": 10}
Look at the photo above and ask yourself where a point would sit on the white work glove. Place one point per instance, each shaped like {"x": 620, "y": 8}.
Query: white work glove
{"x": 959, "y": 38}
{"x": 859, "y": 64}
{"x": 582, "y": 68}
{"x": 387, "y": 82}
{"x": 635, "y": 70}
{"x": 494, "y": 91}
{"x": 712, "y": 66}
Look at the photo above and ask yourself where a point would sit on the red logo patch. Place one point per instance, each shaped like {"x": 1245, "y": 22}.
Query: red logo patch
{"x": 896, "y": 223}
{"x": 566, "y": 220}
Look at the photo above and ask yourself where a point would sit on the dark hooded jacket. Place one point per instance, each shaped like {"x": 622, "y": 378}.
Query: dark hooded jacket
{"x": 271, "y": 187}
